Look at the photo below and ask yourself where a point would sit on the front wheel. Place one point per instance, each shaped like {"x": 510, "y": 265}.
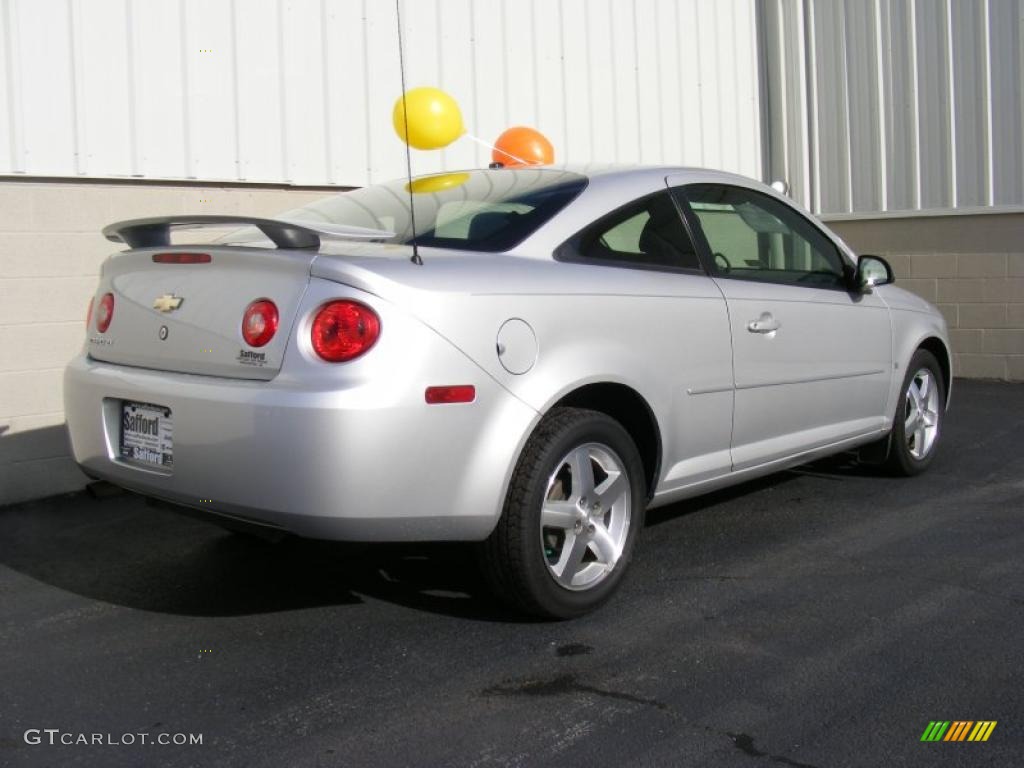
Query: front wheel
{"x": 920, "y": 412}
{"x": 571, "y": 517}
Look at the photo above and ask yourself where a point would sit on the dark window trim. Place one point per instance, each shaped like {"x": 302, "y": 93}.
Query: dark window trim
{"x": 569, "y": 250}
{"x": 704, "y": 247}
{"x": 769, "y": 282}
{"x": 695, "y": 229}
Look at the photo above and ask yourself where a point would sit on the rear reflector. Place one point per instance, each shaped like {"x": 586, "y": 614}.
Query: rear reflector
{"x": 460, "y": 393}
{"x": 182, "y": 258}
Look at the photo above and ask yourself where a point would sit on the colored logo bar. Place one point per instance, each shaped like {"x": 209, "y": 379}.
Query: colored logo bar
{"x": 958, "y": 730}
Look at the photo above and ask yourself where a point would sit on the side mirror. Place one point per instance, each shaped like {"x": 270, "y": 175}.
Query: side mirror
{"x": 872, "y": 271}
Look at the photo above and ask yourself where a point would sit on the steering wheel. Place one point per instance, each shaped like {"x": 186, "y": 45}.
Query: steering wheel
{"x": 723, "y": 264}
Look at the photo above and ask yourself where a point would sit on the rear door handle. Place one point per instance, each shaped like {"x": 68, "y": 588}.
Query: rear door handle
{"x": 766, "y": 323}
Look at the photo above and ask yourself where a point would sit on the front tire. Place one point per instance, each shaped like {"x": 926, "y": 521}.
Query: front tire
{"x": 574, "y": 508}
{"x": 920, "y": 412}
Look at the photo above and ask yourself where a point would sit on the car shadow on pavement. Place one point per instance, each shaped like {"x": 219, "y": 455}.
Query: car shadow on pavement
{"x": 690, "y": 506}
{"x": 120, "y": 551}
{"x": 843, "y": 466}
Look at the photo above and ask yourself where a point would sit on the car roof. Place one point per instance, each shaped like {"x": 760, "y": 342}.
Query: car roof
{"x": 621, "y": 182}
{"x": 616, "y": 171}
{"x": 613, "y": 185}
{"x": 621, "y": 171}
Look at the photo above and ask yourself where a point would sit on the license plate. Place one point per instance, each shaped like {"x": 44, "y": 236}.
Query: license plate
{"x": 147, "y": 434}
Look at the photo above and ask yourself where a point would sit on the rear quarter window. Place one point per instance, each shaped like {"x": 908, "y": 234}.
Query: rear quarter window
{"x": 648, "y": 233}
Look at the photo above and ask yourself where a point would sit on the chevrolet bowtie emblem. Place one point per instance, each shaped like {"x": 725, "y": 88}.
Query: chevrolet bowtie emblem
{"x": 167, "y": 303}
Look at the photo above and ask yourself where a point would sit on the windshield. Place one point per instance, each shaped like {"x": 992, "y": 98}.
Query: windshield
{"x": 484, "y": 210}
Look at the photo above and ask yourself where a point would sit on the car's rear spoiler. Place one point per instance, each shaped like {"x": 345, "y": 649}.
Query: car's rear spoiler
{"x": 156, "y": 231}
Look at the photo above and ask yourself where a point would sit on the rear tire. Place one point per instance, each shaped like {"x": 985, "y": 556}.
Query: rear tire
{"x": 572, "y": 514}
{"x": 920, "y": 412}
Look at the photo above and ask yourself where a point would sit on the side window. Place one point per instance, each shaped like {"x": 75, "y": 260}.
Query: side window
{"x": 754, "y": 237}
{"x": 649, "y": 232}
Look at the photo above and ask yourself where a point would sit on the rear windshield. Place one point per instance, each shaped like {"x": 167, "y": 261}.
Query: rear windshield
{"x": 484, "y": 210}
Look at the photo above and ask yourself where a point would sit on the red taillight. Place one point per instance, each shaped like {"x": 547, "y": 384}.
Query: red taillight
{"x": 105, "y": 313}
{"x": 343, "y": 330}
{"x": 182, "y": 258}
{"x": 459, "y": 393}
{"x": 259, "y": 323}
{"x": 88, "y": 313}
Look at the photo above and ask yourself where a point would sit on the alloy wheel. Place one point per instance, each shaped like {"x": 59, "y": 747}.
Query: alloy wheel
{"x": 585, "y": 517}
{"x": 921, "y": 414}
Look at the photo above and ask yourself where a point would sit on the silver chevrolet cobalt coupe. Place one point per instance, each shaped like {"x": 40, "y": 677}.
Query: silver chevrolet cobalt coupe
{"x": 561, "y": 349}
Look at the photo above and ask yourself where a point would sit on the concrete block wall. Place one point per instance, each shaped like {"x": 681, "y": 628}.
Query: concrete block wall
{"x": 50, "y": 253}
{"x": 982, "y": 298}
{"x": 972, "y": 268}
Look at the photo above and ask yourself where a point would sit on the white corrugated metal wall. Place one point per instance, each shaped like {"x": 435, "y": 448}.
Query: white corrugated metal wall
{"x": 301, "y": 91}
{"x": 896, "y": 105}
{"x": 871, "y": 105}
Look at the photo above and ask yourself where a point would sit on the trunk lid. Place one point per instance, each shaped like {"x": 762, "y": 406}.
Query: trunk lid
{"x": 203, "y": 333}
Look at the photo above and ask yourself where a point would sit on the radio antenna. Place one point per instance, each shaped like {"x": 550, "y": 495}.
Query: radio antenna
{"x": 408, "y": 151}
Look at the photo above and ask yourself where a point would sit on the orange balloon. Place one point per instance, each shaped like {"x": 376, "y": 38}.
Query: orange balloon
{"x": 522, "y": 146}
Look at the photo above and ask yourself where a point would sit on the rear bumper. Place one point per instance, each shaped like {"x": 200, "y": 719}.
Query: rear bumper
{"x": 354, "y": 462}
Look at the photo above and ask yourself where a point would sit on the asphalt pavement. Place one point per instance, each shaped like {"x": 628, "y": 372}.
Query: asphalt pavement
{"x": 820, "y": 617}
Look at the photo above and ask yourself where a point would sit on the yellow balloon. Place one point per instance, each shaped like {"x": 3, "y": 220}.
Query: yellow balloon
{"x": 430, "y": 184}
{"x": 434, "y": 118}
